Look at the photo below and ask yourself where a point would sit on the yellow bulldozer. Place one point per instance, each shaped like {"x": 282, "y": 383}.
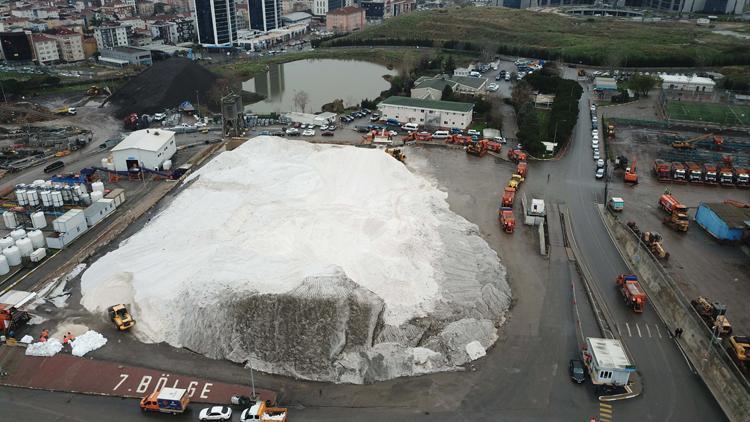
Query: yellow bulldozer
{"x": 738, "y": 348}
{"x": 121, "y": 317}
{"x": 396, "y": 153}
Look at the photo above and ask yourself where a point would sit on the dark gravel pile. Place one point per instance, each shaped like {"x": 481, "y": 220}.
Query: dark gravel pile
{"x": 166, "y": 84}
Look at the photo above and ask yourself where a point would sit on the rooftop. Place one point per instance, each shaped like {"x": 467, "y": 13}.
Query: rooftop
{"x": 609, "y": 353}
{"x": 348, "y": 10}
{"x": 473, "y": 82}
{"x": 686, "y": 79}
{"x": 735, "y": 217}
{"x": 145, "y": 139}
{"x": 605, "y": 83}
{"x": 438, "y": 84}
{"x": 297, "y": 16}
{"x": 431, "y": 104}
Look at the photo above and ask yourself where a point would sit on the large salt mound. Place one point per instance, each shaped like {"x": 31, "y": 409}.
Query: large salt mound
{"x": 317, "y": 261}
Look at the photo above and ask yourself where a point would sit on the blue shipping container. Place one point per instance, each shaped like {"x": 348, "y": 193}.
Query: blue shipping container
{"x": 707, "y": 218}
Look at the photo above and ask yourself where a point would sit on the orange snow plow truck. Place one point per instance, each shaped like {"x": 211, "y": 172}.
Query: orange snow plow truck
{"x": 632, "y": 292}
{"x": 508, "y": 196}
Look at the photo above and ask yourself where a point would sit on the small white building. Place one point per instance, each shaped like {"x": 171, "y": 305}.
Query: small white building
{"x": 693, "y": 83}
{"x": 607, "y": 362}
{"x": 446, "y": 114}
{"x": 68, "y": 227}
{"x": 146, "y": 148}
{"x": 98, "y": 211}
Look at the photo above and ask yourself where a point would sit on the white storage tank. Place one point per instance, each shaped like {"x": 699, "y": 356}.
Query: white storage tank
{"x": 97, "y": 187}
{"x": 57, "y": 199}
{"x": 6, "y": 242}
{"x": 82, "y": 188}
{"x": 37, "y": 239}
{"x": 18, "y": 234}
{"x": 24, "y": 245}
{"x": 9, "y": 218}
{"x": 13, "y": 255}
{"x": 38, "y": 255}
{"x": 32, "y": 197}
{"x": 38, "y": 220}
{"x": 46, "y": 197}
{"x": 21, "y": 197}
{"x": 85, "y": 199}
{"x": 66, "y": 196}
{"x": 96, "y": 195}
{"x": 167, "y": 165}
{"x": 4, "y": 267}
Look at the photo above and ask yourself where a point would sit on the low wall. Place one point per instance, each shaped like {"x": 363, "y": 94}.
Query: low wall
{"x": 720, "y": 374}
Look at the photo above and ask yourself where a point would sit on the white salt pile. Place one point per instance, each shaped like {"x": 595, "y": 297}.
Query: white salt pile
{"x": 87, "y": 342}
{"x": 315, "y": 261}
{"x": 47, "y": 348}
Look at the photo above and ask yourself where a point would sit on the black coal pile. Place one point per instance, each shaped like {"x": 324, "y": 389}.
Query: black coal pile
{"x": 164, "y": 85}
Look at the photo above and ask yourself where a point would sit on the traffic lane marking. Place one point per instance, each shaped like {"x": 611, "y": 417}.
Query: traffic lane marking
{"x": 637, "y": 327}
{"x": 628, "y": 327}
{"x": 648, "y": 330}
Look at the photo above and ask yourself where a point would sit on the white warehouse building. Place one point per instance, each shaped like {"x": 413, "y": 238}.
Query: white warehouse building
{"x": 692, "y": 83}
{"x": 446, "y": 114}
{"x": 147, "y": 148}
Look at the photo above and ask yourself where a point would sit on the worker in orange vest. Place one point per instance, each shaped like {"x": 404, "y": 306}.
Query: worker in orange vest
{"x": 71, "y": 337}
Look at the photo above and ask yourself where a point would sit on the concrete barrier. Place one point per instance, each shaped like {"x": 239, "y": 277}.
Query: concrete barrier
{"x": 730, "y": 389}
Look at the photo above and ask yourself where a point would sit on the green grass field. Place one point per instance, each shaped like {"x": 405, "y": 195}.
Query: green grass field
{"x": 725, "y": 114}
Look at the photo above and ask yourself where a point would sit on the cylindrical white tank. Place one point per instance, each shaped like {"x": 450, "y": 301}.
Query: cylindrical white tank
{"x": 96, "y": 195}
{"x": 38, "y": 220}
{"x": 83, "y": 189}
{"x": 37, "y": 239}
{"x": 6, "y": 242}
{"x": 38, "y": 255}
{"x": 46, "y": 197}
{"x": 97, "y": 187}
{"x": 57, "y": 199}
{"x": 66, "y": 196}
{"x": 32, "y": 197}
{"x": 167, "y": 165}
{"x": 9, "y": 218}
{"x": 18, "y": 234}
{"x": 24, "y": 245}
{"x": 4, "y": 267}
{"x": 21, "y": 197}
{"x": 85, "y": 199}
{"x": 13, "y": 255}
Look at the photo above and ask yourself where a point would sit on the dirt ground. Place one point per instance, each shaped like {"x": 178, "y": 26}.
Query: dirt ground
{"x": 701, "y": 265}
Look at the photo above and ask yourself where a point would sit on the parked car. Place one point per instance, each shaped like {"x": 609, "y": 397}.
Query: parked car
{"x": 441, "y": 134}
{"x": 332, "y": 127}
{"x": 595, "y": 143}
{"x": 500, "y": 140}
{"x": 327, "y": 133}
{"x": 596, "y": 154}
{"x": 159, "y": 116}
{"x": 392, "y": 133}
{"x": 493, "y": 87}
{"x": 216, "y": 413}
{"x": 323, "y": 127}
{"x": 292, "y": 131}
{"x": 308, "y": 132}
{"x": 577, "y": 371}
{"x": 600, "y": 163}
{"x": 54, "y": 166}
{"x": 473, "y": 132}
{"x": 507, "y": 77}
{"x": 498, "y": 77}
{"x": 600, "y": 173}
{"x": 374, "y": 117}
{"x": 595, "y": 132}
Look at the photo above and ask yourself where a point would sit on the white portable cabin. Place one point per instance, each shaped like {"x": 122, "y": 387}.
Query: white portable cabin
{"x": 67, "y": 228}
{"x": 98, "y": 211}
{"x": 607, "y": 362}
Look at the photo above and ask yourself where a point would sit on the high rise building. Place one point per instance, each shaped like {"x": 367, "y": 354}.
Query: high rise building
{"x": 265, "y": 15}
{"x": 216, "y": 21}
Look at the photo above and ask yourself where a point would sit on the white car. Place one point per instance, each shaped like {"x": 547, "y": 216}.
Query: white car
{"x": 595, "y": 133}
{"x": 599, "y": 173}
{"x": 596, "y": 154}
{"x": 159, "y": 116}
{"x": 473, "y": 132}
{"x": 594, "y": 144}
{"x": 600, "y": 163}
{"x": 493, "y": 87}
{"x": 292, "y": 131}
{"x": 216, "y": 413}
{"x": 308, "y": 132}
{"x": 507, "y": 77}
{"x": 593, "y": 107}
{"x": 392, "y": 133}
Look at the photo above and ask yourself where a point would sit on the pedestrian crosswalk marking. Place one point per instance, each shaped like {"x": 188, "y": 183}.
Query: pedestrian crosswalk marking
{"x": 658, "y": 331}
{"x": 648, "y": 330}
{"x": 605, "y": 412}
{"x": 628, "y": 327}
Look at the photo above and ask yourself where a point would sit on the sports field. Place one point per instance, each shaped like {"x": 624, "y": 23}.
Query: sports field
{"x": 725, "y": 114}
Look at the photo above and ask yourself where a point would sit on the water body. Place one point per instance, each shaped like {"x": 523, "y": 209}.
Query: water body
{"x": 323, "y": 80}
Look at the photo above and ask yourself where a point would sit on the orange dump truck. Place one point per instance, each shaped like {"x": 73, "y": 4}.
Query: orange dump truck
{"x": 516, "y": 155}
{"x": 508, "y": 196}
{"x": 521, "y": 168}
{"x": 632, "y": 292}
{"x": 507, "y": 221}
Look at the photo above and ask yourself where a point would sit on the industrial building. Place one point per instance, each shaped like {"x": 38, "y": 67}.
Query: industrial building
{"x": 693, "y": 83}
{"x": 98, "y": 211}
{"x": 448, "y": 114}
{"x": 144, "y": 149}
{"x": 121, "y": 56}
{"x": 723, "y": 221}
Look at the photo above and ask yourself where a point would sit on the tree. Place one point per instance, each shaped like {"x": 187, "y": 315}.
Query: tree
{"x": 495, "y": 115}
{"x": 301, "y": 98}
{"x": 529, "y": 129}
{"x": 447, "y": 93}
{"x": 520, "y": 95}
{"x": 449, "y": 65}
{"x": 486, "y": 54}
{"x": 642, "y": 84}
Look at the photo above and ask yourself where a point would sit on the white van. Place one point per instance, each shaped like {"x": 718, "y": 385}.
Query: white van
{"x": 441, "y": 134}
{"x": 410, "y": 127}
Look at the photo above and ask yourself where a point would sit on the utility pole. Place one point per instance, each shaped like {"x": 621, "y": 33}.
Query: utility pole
{"x": 3, "y": 90}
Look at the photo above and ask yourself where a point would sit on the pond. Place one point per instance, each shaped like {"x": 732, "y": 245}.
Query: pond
{"x": 324, "y": 80}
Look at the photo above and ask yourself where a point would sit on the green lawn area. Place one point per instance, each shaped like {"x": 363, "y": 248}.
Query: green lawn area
{"x": 709, "y": 112}
{"x": 594, "y": 41}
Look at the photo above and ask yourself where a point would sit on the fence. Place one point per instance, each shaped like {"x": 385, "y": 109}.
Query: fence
{"x": 725, "y": 381}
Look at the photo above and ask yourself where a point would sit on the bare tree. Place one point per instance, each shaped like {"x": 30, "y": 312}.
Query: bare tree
{"x": 486, "y": 55}
{"x": 301, "y": 98}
